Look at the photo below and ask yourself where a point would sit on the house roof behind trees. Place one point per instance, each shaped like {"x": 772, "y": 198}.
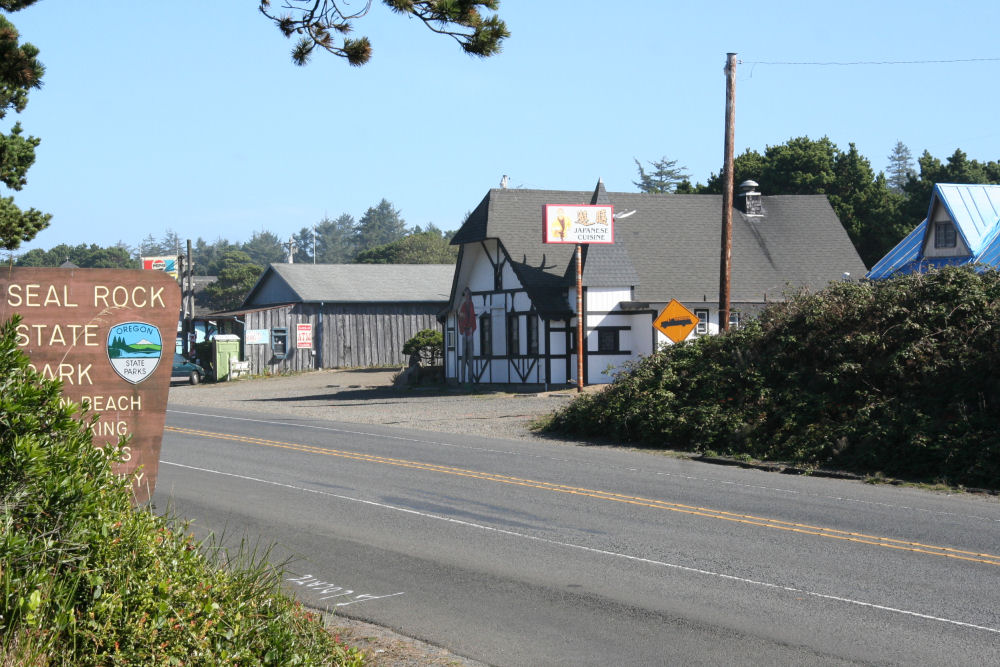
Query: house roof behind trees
{"x": 351, "y": 283}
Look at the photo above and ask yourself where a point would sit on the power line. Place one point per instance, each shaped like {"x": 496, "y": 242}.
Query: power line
{"x": 873, "y": 62}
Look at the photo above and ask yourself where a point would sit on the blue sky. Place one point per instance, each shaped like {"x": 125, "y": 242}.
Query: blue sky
{"x": 189, "y": 115}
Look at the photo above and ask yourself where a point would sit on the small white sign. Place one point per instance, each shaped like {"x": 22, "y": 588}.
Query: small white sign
{"x": 256, "y": 337}
{"x": 579, "y": 224}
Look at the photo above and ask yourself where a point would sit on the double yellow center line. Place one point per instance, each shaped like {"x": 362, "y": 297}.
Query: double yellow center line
{"x": 748, "y": 519}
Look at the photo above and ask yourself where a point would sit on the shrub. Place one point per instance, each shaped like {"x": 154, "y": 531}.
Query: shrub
{"x": 85, "y": 579}
{"x": 428, "y": 344}
{"x": 900, "y": 377}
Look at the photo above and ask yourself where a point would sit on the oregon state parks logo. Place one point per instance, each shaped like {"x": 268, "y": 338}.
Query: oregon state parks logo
{"x": 134, "y": 349}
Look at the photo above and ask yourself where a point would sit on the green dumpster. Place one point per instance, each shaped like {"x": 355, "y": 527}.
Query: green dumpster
{"x": 225, "y": 348}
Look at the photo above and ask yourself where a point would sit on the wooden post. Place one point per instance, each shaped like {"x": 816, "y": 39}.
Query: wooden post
{"x": 725, "y": 261}
{"x": 580, "y": 316}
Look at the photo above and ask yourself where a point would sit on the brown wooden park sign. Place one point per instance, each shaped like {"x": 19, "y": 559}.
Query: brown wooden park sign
{"x": 108, "y": 335}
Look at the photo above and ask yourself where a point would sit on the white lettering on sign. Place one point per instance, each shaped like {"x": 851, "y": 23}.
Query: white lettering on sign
{"x": 122, "y": 403}
{"x": 75, "y": 374}
{"x": 34, "y": 295}
{"x": 327, "y": 591}
{"x": 111, "y": 450}
{"x": 57, "y": 334}
{"x": 103, "y": 428}
{"x": 119, "y": 296}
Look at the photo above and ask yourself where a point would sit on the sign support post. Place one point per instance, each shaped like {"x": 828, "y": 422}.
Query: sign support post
{"x": 579, "y": 224}
{"x": 580, "y": 316}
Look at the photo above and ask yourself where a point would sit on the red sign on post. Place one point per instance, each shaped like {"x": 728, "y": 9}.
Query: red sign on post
{"x": 108, "y": 336}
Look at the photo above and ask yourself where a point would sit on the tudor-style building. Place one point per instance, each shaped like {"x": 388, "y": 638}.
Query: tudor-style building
{"x": 666, "y": 247}
{"x": 962, "y": 227}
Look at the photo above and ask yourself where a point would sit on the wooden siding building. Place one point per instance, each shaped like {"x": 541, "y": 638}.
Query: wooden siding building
{"x": 301, "y": 317}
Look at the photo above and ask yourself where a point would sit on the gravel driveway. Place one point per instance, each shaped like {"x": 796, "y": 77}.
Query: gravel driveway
{"x": 367, "y": 396}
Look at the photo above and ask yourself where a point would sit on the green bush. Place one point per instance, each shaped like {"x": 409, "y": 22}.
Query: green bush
{"x": 85, "y": 579}
{"x": 429, "y": 344}
{"x": 900, "y": 377}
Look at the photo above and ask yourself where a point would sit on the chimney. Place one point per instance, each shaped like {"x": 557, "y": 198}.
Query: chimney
{"x": 749, "y": 200}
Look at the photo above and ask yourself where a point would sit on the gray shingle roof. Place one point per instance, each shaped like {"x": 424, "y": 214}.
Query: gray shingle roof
{"x": 352, "y": 283}
{"x": 673, "y": 245}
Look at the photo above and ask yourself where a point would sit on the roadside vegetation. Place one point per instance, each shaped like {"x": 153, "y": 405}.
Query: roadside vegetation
{"x": 86, "y": 579}
{"x": 897, "y": 378}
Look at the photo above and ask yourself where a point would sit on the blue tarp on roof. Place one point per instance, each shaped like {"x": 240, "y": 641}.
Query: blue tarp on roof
{"x": 906, "y": 252}
{"x": 975, "y": 210}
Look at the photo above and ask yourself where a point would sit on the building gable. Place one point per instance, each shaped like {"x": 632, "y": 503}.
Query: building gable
{"x": 962, "y": 227}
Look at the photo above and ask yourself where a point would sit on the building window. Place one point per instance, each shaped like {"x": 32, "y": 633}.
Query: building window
{"x": 734, "y": 319}
{"x": 701, "y": 328}
{"x": 607, "y": 340}
{"x": 513, "y": 334}
{"x": 279, "y": 342}
{"x": 532, "y": 323}
{"x": 945, "y": 235}
{"x": 450, "y": 338}
{"x": 485, "y": 335}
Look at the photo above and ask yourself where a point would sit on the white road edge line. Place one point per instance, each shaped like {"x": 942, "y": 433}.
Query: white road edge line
{"x": 563, "y": 460}
{"x": 636, "y": 559}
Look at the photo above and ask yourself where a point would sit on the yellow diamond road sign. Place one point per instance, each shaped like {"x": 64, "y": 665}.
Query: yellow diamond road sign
{"x": 675, "y": 321}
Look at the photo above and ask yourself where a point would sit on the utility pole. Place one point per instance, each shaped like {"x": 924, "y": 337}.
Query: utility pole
{"x": 725, "y": 261}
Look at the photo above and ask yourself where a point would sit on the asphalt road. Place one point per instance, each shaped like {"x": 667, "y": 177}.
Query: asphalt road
{"x": 521, "y": 552}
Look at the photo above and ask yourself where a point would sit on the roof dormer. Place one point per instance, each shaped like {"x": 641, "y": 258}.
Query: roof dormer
{"x": 942, "y": 237}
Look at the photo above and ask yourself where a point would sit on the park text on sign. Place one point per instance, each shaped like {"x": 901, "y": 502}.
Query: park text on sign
{"x": 304, "y": 336}
{"x": 579, "y": 224}
{"x": 101, "y": 333}
{"x": 675, "y": 321}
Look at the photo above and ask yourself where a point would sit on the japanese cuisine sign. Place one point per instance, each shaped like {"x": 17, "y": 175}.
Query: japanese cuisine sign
{"x": 579, "y": 224}
{"x": 107, "y": 335}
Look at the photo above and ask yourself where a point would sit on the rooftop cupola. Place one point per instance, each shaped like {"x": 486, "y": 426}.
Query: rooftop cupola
{"x": 749, "y": 200}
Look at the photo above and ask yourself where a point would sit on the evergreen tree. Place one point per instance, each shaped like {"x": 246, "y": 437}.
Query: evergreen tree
{"x": 378, "y": 226}
{"x": 151, "y": 247}
{"x": 206, "y": 258}
{"x": 236, "y": 278}
{"x": 958, "y": 169}
{"x": 336, "y": 240}
{"x": 265, "y": 248}
{"x": 304, "y": 242}
{"x": 900, "y": 167}
{"x": 664, "y": 177}
{"x": 20, "y": 72}
{"x": 86, "y": 257}
{"x": 429, "y": 247}
{"x": 326, "y": 25}
{"x": 171, "y": 244}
